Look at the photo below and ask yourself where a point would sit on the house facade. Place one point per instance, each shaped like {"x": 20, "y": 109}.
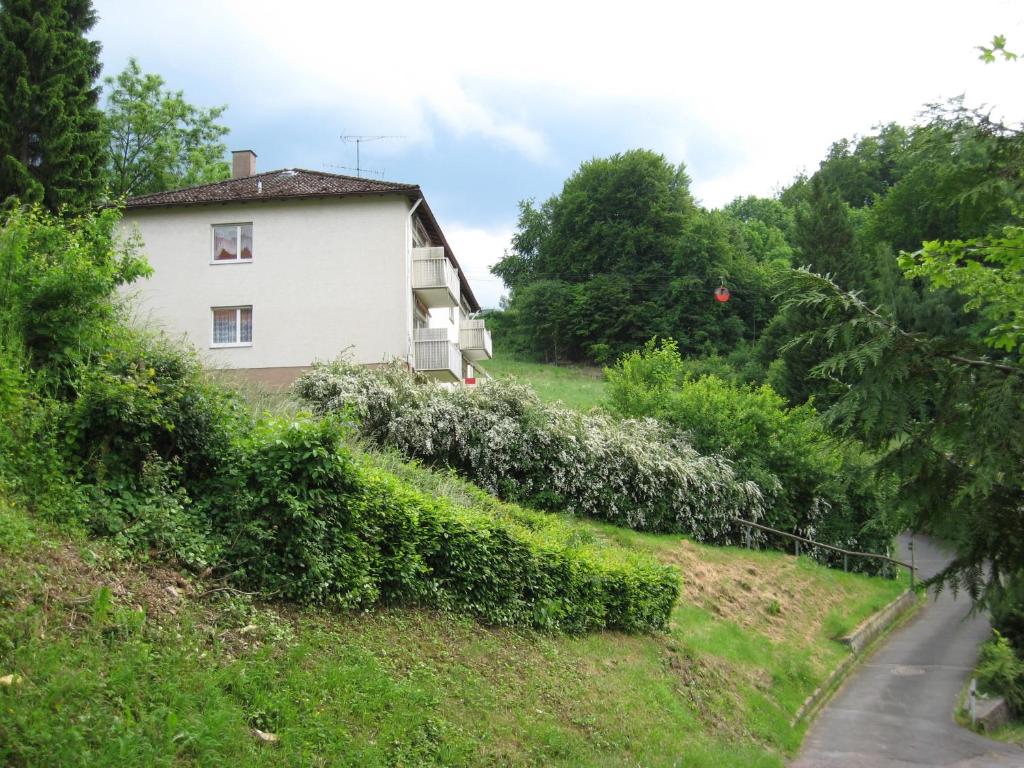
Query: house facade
{"x": 266, "y": 273}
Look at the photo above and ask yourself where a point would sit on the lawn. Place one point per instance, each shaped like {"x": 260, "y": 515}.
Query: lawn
{"x": 577, "y": 386}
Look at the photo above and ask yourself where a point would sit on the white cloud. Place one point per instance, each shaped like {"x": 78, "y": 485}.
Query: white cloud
{"x": 477, "y": 250}
{"x": 773, "y": 82}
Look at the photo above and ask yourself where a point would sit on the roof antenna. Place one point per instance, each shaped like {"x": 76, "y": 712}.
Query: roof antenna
{"x": 378, "y": 173}
{"x": 349, "y": 138}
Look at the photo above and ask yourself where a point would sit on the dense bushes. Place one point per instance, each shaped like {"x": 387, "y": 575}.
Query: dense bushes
{"x": 812, "y": 483}
{"x": 300, "y": 518}
{"x": 1000, "y": 671}
{"x": 499, "y": 435}
{"x": 123, "y": 433}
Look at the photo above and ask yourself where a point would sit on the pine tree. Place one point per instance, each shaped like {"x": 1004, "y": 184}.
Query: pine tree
{"x": 51, "y": 139}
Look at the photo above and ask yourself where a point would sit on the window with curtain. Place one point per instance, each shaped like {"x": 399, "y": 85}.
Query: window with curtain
{"x": 232, "y": 326}
{"x": 232, "y": 242}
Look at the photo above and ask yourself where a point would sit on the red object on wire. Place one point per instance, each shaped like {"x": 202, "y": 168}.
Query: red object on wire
{"x": 722, "y": 293}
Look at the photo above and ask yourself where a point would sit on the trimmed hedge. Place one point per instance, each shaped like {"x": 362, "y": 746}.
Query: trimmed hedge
{"x": 630, "y": 472}
{"x": 305, "y": 521}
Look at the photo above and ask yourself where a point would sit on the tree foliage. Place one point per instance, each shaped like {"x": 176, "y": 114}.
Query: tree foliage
{"x": 51, "y": 138}
{"x": 813, "y": 483}
{"x": 944, "y": 410}
{"x": 156, "y": 139}
{"x": 623, "y": 252}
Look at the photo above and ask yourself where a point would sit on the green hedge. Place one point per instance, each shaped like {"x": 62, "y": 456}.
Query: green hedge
{"x": 305, "y": 521}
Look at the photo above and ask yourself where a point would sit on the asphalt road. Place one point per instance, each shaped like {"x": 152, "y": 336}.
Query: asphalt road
{"x": 896, "y": 711}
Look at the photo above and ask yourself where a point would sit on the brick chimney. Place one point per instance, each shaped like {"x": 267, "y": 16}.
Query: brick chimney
{"x": 243, "y": 163}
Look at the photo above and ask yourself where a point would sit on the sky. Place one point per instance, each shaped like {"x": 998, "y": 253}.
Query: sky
{"x": 495, "y": 103}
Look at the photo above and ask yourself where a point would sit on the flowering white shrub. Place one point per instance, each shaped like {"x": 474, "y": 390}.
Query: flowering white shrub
{"x": 631, "y": 472}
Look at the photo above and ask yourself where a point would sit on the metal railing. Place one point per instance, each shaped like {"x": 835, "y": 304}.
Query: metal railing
{"x": 475, "y": 339}
{"x": 431, "y": 272}
{"x": 846, "y": 553}
{"x": 435, "y": 352}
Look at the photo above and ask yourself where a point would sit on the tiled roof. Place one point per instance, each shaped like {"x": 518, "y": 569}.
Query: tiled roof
{"x": 274, "y": 185}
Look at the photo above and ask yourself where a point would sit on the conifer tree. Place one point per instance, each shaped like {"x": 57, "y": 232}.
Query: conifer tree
{"x": 51, "y": 139}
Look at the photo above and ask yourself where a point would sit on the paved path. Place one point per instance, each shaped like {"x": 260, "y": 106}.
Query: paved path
{"x": 897, "y": 709}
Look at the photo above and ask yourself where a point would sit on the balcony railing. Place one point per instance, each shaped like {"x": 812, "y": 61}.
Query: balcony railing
{"x": 434, "y": 280}
{"x": 437, "y": 356}
{"x": 475, "y": 340}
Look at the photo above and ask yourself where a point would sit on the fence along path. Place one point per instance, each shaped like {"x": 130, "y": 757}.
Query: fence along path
{"x": 846, "y": 553}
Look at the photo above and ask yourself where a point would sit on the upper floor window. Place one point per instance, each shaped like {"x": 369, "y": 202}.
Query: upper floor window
{"x": 232, "y": 242}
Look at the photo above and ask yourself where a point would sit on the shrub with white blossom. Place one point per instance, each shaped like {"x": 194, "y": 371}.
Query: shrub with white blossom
{"x": 631, "y": 472}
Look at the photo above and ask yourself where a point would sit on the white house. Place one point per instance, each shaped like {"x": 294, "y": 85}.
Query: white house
{"x": 269, "y": 272}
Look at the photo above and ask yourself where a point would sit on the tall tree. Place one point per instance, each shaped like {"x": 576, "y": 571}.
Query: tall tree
{"x": 824, "y": 234}
{"x": 639, "y": 258}
{"x": 157, "y": 140}
{"x": 945, "y": 410}
{"x": 51, "y": 139}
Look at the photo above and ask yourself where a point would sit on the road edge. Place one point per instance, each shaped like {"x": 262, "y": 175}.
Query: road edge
{"x": 862, "y": 642}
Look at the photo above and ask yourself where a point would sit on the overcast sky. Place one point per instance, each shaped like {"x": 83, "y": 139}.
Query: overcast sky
{"x": 496, "y": 103}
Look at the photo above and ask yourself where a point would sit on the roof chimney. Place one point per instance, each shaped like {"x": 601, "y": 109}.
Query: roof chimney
{"x": 243, "y": 163}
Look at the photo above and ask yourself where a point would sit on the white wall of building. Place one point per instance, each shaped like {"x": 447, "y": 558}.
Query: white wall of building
{"x": 326, "y": 276}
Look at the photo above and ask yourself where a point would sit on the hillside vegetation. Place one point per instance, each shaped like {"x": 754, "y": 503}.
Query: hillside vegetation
{"x": 713, "y": 453}
{"x": 178, "y": 575}
{"x": 117, "y": 663}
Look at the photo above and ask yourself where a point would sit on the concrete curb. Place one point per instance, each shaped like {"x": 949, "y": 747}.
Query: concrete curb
{"x": 862, "y": 637}
{"x": 873, "y": 626}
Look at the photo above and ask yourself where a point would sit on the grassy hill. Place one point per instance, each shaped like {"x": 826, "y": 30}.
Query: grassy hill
{"x": 577, "y": 386}
{"x": 120, "y": 663}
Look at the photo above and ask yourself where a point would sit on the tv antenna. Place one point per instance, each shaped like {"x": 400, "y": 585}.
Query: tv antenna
{"x": 378, "y": 173}
{"x": 358, "y": 140}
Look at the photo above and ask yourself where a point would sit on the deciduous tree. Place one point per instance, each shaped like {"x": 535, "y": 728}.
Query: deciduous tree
{"x": 156, "y": 139}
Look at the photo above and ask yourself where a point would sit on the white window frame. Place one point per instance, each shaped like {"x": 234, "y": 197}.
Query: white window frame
{"x": 238, "y": 244}
{"x": 238, "y": 326}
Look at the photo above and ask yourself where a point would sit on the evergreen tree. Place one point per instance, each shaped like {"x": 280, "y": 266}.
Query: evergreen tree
{"x": 824, "y": 235}
{"x": 51, "y": 140}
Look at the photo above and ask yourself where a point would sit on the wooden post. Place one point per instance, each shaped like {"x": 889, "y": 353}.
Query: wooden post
{"x": 912, "y": 568}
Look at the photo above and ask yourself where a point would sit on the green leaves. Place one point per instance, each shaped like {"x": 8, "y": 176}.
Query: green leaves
{"x": 997, "y": 48}
{"x": 51, "y": 142}
{"x": 631, "y": 472}
{"x": 946, "y": 416}
{"x": 156, "y": 139}
{"x": 989, "y": 273}
{"x": 306, "y": 522}
{"x": 813, "y": 483}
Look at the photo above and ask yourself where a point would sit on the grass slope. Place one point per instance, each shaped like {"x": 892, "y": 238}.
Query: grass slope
{"x": 125, "y": 664}
{"x": 577, "y": 386}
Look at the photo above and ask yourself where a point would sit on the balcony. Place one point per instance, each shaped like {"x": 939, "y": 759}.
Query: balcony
{"x": 475, "y": 340}
{"x": 436, "y": 356}
{"x": 434, "y": 280}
